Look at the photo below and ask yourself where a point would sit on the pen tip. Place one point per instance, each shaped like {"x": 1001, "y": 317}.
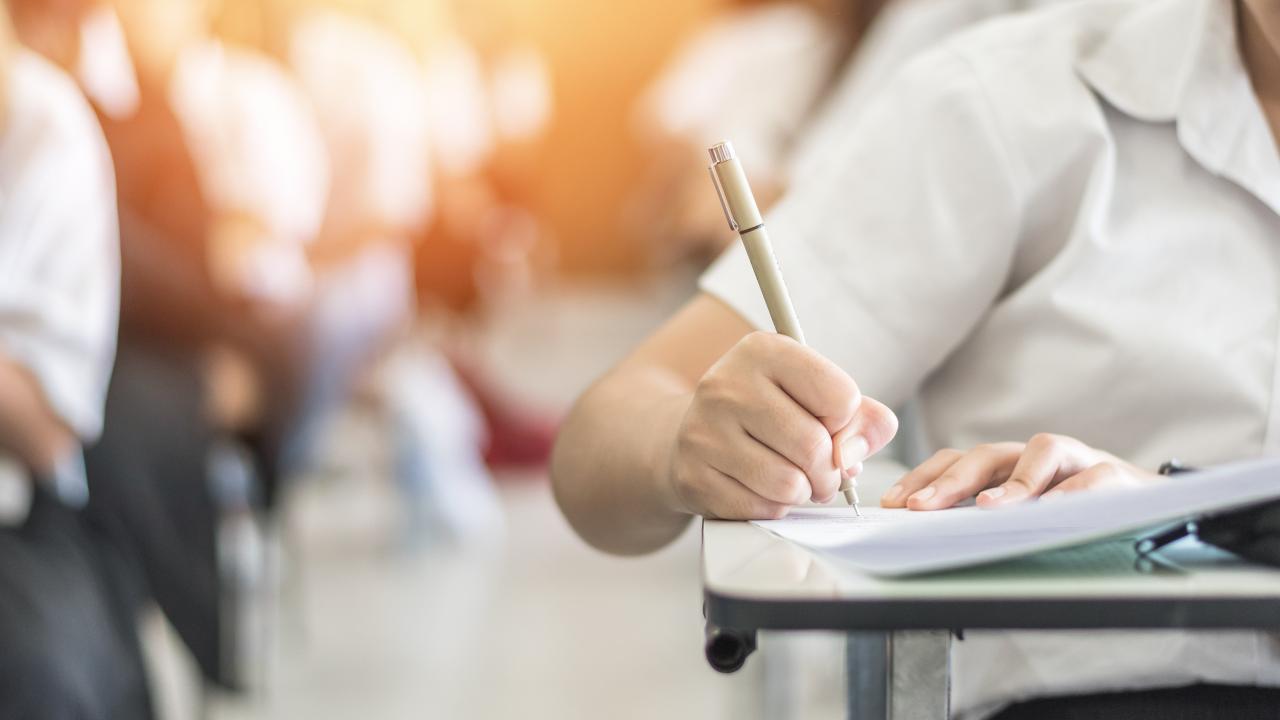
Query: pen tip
{"x": 857, "y": 510}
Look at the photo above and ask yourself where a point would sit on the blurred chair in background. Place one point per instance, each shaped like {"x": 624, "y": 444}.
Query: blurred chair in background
{"x": 67, "y": 601}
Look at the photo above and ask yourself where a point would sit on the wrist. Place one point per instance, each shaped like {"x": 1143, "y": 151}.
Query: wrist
{"x": 663, "y": 459}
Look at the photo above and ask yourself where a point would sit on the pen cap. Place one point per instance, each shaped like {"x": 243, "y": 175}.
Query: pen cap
{"x": 735, "y": 193}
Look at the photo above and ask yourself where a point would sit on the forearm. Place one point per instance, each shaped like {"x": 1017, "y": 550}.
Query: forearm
{"x": 29, "y": 428}
{"x": 613, "y": 456}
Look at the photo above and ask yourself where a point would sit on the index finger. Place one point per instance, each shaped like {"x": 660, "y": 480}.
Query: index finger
{"x": 817, "y": 384}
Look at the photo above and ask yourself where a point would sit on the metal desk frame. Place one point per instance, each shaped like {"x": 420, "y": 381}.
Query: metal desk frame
{"x": 899, "y": 635}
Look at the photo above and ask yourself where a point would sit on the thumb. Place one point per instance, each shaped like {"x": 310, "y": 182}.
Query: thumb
{"x": 872, "y": 427}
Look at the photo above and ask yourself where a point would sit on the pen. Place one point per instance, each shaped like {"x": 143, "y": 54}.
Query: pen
{"x": 744, "y": 218}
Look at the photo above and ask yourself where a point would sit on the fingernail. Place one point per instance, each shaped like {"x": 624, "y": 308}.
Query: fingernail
{"x": 925, "y": 494}
{"x": 893, "y": 493}
{"x": 852, "y": 472}
{"x": 853, "y": 451}
{"x": 994, "y": 492}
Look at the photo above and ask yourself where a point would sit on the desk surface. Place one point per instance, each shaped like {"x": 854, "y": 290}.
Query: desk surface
{"x": 753, "y": 579}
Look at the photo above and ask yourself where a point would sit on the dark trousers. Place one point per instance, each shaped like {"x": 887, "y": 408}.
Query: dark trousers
{"x": 68, "y": 632}
{"x": 1194, "y": 702}
{"x": 148, "y": 490}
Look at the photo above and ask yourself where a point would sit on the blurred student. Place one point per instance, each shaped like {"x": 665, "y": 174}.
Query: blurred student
{"x": 250, "y": 156}
{"x": 756, "y": 74}
{"x": 222, "y": 181}
{"x": 370, "y": 93}
{"x": 490, "y": 100}
{"x": 66, "y": 612}
{"x": 1012, "y": 206}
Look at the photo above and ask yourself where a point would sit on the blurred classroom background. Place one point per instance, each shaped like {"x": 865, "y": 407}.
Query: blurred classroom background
{"x": 371, "y": 250}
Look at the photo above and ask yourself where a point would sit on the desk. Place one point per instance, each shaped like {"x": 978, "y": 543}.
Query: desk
{"x": 900, "y": 629}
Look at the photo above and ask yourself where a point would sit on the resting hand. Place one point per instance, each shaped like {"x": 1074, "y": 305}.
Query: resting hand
{"x": 1009, "y": 472}
{"x": 772, "y": 424}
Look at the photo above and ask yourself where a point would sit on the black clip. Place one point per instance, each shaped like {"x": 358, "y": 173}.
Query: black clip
{"x": 1153, "y": 542}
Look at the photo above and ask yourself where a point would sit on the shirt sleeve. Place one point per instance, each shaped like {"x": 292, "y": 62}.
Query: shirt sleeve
{"x": 895, "y": 247}
{"x": 59, "y": 302}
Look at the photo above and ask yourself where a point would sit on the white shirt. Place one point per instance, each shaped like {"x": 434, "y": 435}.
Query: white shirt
{"x": 902, "y": 30}
{"x": 752, "y": 76}
{"x": 369, "y": 96}
{"x": 459, "y": 107}
{"x": 1064, "y": 221}
{"x": 104, "y": 68}
{"x": 59, "y": 247}
{"x": 472, "y": 107}
{"x": 59, "y": 243}
{"x": 259, "y": 152}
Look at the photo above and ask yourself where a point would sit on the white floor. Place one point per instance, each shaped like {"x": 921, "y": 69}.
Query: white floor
{"x": 533, "y": 625}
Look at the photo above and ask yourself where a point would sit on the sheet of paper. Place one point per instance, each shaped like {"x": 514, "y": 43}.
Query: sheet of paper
{"x": 836, "y": 525}
{"x": 903, "y": 542}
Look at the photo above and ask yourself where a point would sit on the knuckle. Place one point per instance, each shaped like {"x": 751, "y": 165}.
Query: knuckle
{"x": 717, "y": 395}
{"x": 687, "y": 490}
{"x": 793, "y": 486}
{"x": 1107, "y": 469}
{"x": 1072, "y": 484}
{"x": 1045, "y": 441}
{"x": 692, "y": 439}
{"x": 1018, "y": 478}
{"x": 946, "y": 481}
{"x": 715, "y": 383}
{"x": 758, "y": 342}
{"x": 949, "y": 454}
{"x": 986, "y": 449}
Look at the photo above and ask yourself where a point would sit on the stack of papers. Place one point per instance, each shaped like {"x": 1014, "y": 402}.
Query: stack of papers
{"x": 906, "y": 542}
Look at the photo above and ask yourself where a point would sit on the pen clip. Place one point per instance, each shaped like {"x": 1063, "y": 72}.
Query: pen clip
{"x": 724, "y": 200}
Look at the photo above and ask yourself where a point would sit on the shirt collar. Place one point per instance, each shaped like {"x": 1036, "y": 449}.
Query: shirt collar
{"x": 1179, "y": 61}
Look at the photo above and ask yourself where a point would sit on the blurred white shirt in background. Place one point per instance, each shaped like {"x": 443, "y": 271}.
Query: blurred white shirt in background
{"x": 752, "y": 76}
{"x": 369, "y": 95}
{"x": 104, "y": 68}
{"x": 474, "y": 106}
{"x": 259, "y": 153}
{"x": 521, "y": 92}
{"x": 459, "y": 109}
